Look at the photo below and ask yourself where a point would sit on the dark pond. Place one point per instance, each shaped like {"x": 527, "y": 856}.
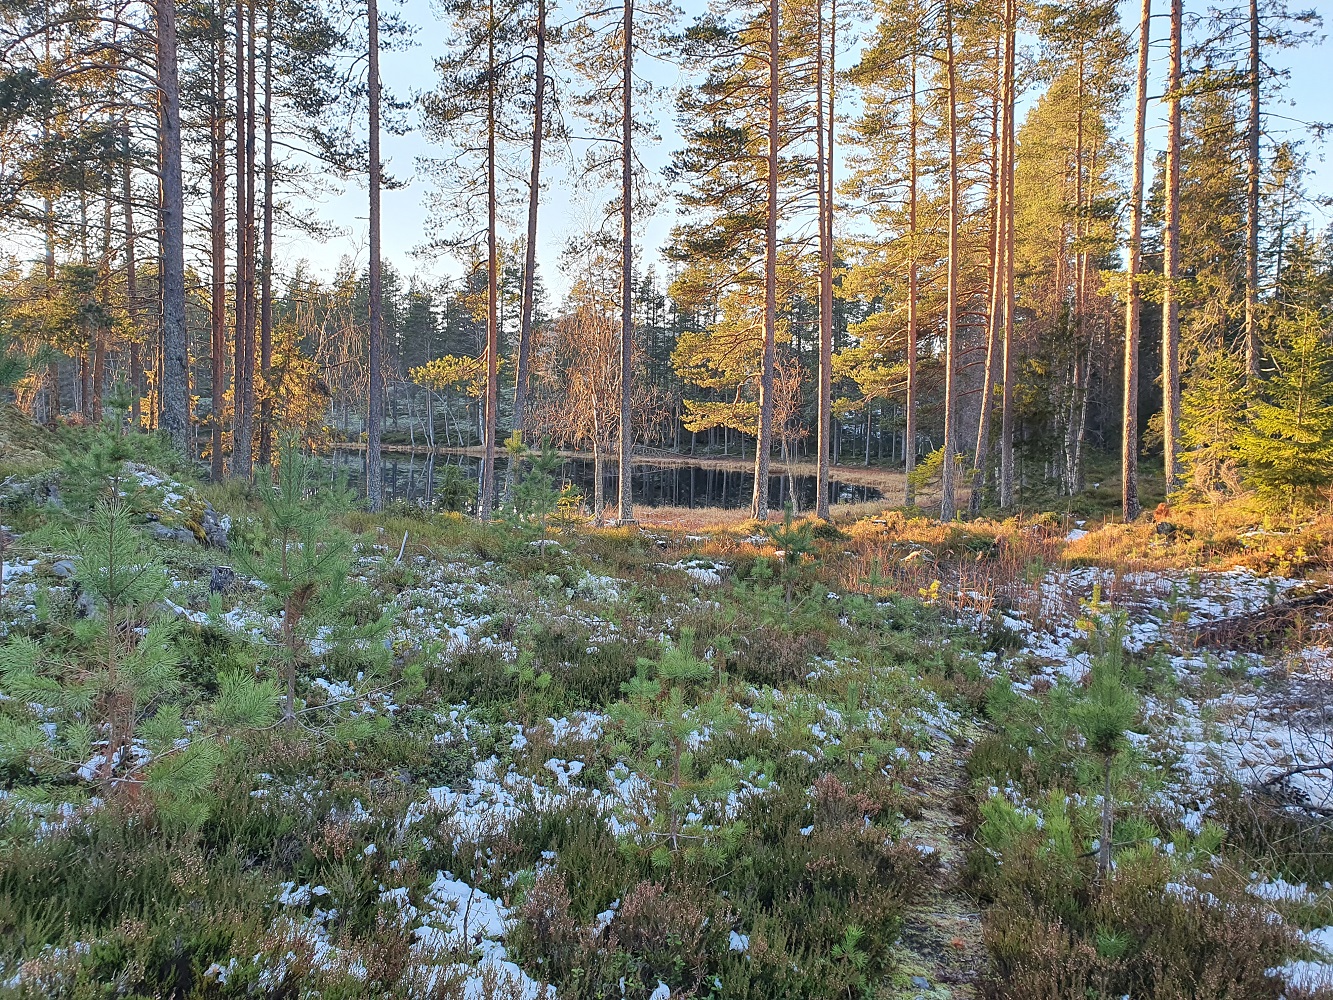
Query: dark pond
{"x": 413, "y": 476}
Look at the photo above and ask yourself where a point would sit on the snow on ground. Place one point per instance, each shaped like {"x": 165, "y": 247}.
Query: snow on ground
{"x": 1234, "y": 716}
{"x": 704, "y": 572}
{"x": 457, "y": 933}
{"x": 1314, "y": 973}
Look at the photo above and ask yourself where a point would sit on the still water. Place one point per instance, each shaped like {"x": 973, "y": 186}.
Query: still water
{"x": 413, "y": 476}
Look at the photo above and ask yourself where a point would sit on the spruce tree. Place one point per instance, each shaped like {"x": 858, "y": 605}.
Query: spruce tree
{"x": 1212, "y": 414}
{"x": 1287, "y": 447}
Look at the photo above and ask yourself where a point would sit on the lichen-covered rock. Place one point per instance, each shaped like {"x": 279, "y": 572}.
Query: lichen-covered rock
{"x": 166, "y": 533}
{"x": 215, "y": 528}
{"x": 182, "y": 512}
{"x": 222, "y": 580}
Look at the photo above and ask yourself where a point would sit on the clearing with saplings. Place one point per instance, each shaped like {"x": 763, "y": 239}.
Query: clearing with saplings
{"x": 258, "y": 741}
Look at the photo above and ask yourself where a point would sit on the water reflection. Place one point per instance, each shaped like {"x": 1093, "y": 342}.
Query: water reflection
{"x": 413, "y": 475}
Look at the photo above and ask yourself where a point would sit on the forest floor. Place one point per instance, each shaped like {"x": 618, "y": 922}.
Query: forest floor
{"x": 654, "y": 761}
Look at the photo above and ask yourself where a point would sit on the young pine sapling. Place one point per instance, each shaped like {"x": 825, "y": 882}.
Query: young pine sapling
{"x": 796, "y": 541}
{"x": 302, "y": 557}
{"x": 1107, "y": 709}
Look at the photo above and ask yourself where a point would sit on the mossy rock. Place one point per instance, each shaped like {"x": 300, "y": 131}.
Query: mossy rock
{"x": 24, "y": 446}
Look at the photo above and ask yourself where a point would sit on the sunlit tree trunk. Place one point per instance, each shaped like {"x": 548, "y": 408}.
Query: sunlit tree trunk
{"x": 982, "y": 454}
{"x": 175, "y": 413}
{"x": 947, "y": 503}
{"x": 825, "y": 255}
{"x": 131, "y": 281}
{"x": 764, "y": 438}
{"x": 102, "y": 329}
{"x": 1171, "y": 258}
{"x": 1129, "y": 446}
{"x": 486, "y": 502}
{"x": 909, "y": 430}
{"x": 240, "y": 442}
{"x": 530, "y": 250}
{"x": 1010, "y": 348}
{"x": 266, "y": 254}
{"x": 1252, "y": 204}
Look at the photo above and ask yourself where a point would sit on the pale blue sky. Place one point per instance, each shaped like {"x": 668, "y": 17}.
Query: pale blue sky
{"x": 566, "y": 208}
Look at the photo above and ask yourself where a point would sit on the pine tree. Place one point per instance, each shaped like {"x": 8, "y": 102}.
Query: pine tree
{"x": 1105, "y": 711}
{"x": 175, "y": 344}
{"x": 302, "y": 557}
{"x": 120, "y": 659}
{"x": 374, "y": 362}
{"x": 476, "y": 108}
{"x": 1129, "y": 451}
{"x": 666, "y": 706}
{"x": 1171, "y": 252}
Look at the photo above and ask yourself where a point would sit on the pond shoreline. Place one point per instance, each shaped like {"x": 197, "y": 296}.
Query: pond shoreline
{"x": 889, "y": 481}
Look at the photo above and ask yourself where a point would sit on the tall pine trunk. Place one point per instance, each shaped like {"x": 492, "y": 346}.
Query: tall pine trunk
{"x": 486, "y": 503}
{"x": 217, "y": 175}
{"x": 266, "y": 255}
{"x": 982, "y": 454}
{"x": 1252, "y": 204}
{"x": 1010, "y": 348}
{"x": 530, "y": 250}
{"x": 1171, "y": 259}
{"x": 102, "y": 329}
{"x": 626, "y": 469}
{"x": 175, "y": 413}
{"x": 240, "y": 442}
{"x": 909, "y": 430}
{"x": 1129, "y": 445}
{"x": 375, "y": 402}
{"x": 243, "y": 457}
{"x": 948, "y": 507}
{"x": 131, "y": 280}
{"x": 764, "y": 438}
{"x": 825, "y": 178}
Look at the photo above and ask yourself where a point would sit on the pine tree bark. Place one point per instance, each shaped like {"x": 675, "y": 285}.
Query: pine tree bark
{"x": 1171, "y": 258}
{"x": 825, "y": 179}
{"x": 530, "y": 250}
{"x": 486, "y": 502}
{"x": 375, "y": 404}
{"x": 948, "y": 507}
{"x": 266, "y": 255}
{"x": 1129, "y": 446}
{"x": 1252, "y": 204}
{"x": 175, "y": 414}
{"x": 764, "y": 437}
{"x": 240, "y": 448}
{"x": 52, "y": 380}
{"x": 1010, "y": 348}
{"x": 247, "y": 449}
{"x": 218, "y": 224}
{"x": 102, "y": 329}
{"x": 626, "y": 468}
{"x": 909, "y": 429}
{"x": 131, "y": 282}
{"x": 982, "y": 454}
{"x": 1077, "y": 394}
